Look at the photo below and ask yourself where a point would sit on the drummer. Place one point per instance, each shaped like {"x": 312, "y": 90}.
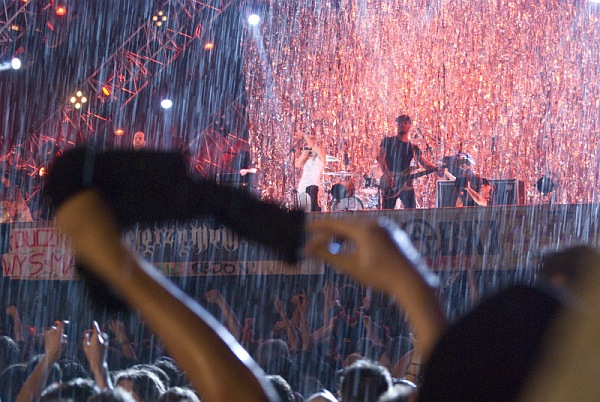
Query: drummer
{"x": 312, "y": 161}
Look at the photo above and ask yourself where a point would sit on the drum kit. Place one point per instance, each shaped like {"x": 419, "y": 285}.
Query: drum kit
{"x": 347, "y": 191}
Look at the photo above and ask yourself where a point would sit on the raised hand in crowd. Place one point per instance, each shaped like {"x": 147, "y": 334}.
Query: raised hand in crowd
{"x": 386, "y": 261}
{"x": 54, "y": 339}
{"x": 331, "y": 296}
{"x": 371, "y": 330}
{"x": 117, "y": 327}
{"x": 231, "y": 320}
{"x": 301, "y": 302}
{"x": 12, "y": 312}
{"x": 287, "y": 325}
{"x": 248, "y": 332}
{"x": 95, "y": 347}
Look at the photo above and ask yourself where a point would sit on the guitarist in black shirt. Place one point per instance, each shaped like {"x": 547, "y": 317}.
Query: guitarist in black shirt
{"x": 395, "y": 156}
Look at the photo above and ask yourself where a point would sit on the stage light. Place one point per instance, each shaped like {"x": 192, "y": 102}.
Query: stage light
{"x": 15, "y": 63}
{"x": 60, "y": 10}
{"x": 119, "y": 132}
{"x": 106, "y": 90}
{"x": 166, "y": 103}
{"x": 159, "y": 18}
{"x": 253, "y": 19}
{"x": 78, "y": 100}
{"x": 209, "y": 46}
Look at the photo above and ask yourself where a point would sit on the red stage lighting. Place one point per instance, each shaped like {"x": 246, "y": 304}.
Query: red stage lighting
{"x": 61, "y": 10}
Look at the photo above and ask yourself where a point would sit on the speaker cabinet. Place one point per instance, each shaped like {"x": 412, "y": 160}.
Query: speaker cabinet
{"x": 506, "y": 192}
{"x": 445, "y": 194}
{"x": 509, "y": 192}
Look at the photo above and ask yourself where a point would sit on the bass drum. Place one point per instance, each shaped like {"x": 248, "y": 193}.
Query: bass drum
{"x": 347, "y": 204}
{"x": 341, "y": 190}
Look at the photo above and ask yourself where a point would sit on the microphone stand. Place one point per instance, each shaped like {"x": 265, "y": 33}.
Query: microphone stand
{"x": 437, "y": 141}
{"x": 427, "y": 147}
{"x": 295, "y": 146}
{"x": 294, "y": 190}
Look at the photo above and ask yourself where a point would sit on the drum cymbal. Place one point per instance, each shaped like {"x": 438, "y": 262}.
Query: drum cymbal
{"x": 330, "y": 158}
{"x": 370, "y": 191}
{"x": 342, "y": 173}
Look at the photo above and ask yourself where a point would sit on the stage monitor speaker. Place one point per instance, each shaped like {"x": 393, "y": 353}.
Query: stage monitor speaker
{"x": 506, "y": 192}
{"x": 445, "y": 194}
{"x": 509, "y": 192}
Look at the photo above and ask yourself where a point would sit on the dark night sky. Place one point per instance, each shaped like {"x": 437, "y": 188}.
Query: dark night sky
{"x": 64, "y": 51}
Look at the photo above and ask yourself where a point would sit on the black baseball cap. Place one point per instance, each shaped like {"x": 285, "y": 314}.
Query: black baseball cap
{"x": 403, "y": 117}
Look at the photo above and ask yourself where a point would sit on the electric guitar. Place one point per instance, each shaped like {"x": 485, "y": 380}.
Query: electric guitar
{"x": 403, "y": 181}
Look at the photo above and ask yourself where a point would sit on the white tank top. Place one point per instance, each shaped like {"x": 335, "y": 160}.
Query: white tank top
{"x": 311, "y": 173}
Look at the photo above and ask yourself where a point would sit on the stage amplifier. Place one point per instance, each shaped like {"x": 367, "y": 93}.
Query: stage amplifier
{"x": 506, "y": 192}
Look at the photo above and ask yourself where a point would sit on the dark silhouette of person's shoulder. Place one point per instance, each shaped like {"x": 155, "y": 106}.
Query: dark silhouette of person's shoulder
{"x": 488, "y": 354}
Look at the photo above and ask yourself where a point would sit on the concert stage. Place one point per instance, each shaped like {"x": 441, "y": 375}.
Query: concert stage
{"x": 451, "y": 239}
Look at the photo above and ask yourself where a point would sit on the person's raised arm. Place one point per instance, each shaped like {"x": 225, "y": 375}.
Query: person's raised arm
{"x": 301, "y": 160}
{"x": 331, "y": 298}
{"x": 371, "y": 330}
{"x": 301, "y": 302}
{"x": 117, "y": 327}
{"x": 387, "y": 261}
{"x": 17, "y": 325}
{"x": 312, "y": 143}
{"x": 35, "y": 383}
{"x": 201, "y": 346}
{"x": 290, "y": 330}
{"x": 449, "y": 175}
{"x": 231, "y": 319}
{"x": 95, "y": 347}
